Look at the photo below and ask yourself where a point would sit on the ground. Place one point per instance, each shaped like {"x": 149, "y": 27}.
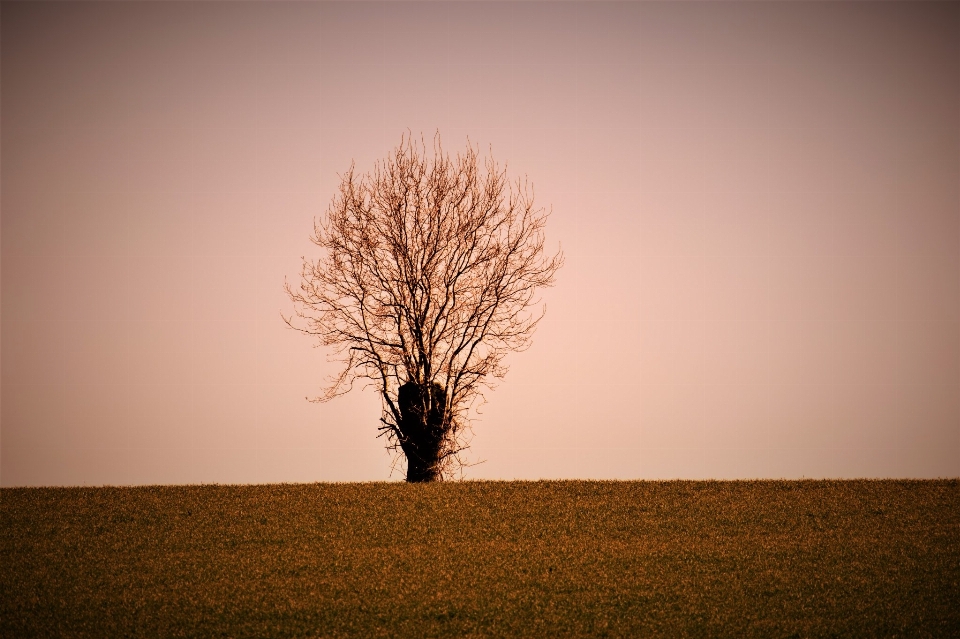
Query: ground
{"x": 484, "y": 559}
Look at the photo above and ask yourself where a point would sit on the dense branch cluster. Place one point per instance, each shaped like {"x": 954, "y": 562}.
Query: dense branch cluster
{"x": 428, "y": 276}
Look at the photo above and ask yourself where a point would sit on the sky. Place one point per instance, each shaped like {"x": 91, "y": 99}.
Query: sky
{"x": 759, "y": 205}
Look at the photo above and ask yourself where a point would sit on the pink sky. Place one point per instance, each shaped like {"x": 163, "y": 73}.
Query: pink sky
{"x": 759, "y": 205}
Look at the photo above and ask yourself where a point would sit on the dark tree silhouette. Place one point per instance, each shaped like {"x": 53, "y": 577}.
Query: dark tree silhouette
{"x": 427, "y": 279}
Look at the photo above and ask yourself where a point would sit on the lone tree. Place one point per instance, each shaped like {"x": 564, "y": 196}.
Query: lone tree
{"x": 427, "y": 280}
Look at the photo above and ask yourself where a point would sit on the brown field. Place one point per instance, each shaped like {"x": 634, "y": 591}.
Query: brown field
{"x": 484, "y": 559}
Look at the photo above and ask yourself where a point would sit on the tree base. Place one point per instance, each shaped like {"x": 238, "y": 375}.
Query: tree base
{"x": 419, "y": 475}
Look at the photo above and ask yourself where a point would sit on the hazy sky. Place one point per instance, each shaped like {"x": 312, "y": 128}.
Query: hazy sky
{"x": 759, "y": 205}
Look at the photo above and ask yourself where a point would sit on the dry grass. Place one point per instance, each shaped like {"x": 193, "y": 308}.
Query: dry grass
{"x": 507, "y": 559}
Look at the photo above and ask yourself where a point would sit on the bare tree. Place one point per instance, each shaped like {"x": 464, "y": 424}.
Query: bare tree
{"x": 427, "y": 280}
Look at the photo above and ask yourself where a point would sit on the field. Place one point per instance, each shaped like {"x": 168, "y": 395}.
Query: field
{"x": 484, "y": 559}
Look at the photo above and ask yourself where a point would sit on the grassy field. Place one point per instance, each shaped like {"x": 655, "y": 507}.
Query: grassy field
{"x": 484, "y": 559}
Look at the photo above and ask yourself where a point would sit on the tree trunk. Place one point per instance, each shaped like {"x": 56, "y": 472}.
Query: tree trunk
{"x": 422, "y": 424}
